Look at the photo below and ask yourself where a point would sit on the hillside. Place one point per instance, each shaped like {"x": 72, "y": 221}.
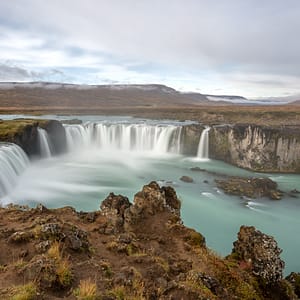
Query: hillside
{"x": 47, "y": 95}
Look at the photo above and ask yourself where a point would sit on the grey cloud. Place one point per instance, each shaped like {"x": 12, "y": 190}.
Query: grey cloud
{"x": 191, "y": 33}
{"x": 15, "y": 73}
{"x": 221, "y": 36}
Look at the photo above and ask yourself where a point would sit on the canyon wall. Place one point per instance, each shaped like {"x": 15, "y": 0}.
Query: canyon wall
{"x": 258, "y": 148}
{"x": 25, "y": 134}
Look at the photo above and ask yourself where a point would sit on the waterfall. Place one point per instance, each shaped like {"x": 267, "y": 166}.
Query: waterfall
{"x": 203, "y": 144}
{"x": 44, "y": 143}
{"x": 139, "y": 137}
{"x": 13, "y": 161}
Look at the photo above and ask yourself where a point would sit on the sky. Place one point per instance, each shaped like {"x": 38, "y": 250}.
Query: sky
{"x": 234, "y": 47}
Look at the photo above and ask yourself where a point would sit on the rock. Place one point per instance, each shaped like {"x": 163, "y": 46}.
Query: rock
{"x": 51, "y": 231}
{"x": 20, "y": 237}
{"x": 43, "y": 246}
{"x": 77, "y": 239}
{"x": 187, "y": 179}
{"x": 41, "y": 270}
{"x": 197, "y": 169}
{"x": 171, "y": 199}
{"x": 117, "y": 202}
{"x": 294, "y": 280}
{"x": 151, "y": 200}
{"x": 250, "y": 187}
{"x": 205, "y": 181}
{"x": 89, "y": 217}
{"x": 208, "y": 281}
{"x": 41, "y": 208}
{"x": 258, "y": 148}
{"x": 113, "y": 207}
{"x": 261, "y": 252}
{"x": 295, "y": 191}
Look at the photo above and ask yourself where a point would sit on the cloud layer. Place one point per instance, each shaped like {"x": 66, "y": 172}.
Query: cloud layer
{"x": 231, "y": 46}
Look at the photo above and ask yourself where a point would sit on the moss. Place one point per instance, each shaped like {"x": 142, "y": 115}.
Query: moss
{"x": 11, "y": 128}
{"x": 195, "y": 239}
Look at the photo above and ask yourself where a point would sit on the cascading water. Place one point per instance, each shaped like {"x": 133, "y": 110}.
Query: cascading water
{"x": 13, "y": 161}
{"x": 142, "y": 137}
{"x": 203, "y": 144}
{"x": 44, "y": 143}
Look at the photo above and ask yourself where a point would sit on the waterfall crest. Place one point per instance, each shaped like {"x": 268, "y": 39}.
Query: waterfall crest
{"x": 13, "y": 162}
{"x": 142, "y": 137}
{"x": 44, "y": 143}
{"x": 203, "y": 151}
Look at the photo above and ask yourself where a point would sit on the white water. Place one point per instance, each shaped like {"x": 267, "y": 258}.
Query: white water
{"x": 44, "y": 143}
{"x": 203, "y": 144}
{"x": 158, "y": 139}
{"x": 13, "y": 162}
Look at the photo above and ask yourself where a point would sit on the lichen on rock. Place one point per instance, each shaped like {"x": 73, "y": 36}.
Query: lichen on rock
{"x": 261, "y": 252}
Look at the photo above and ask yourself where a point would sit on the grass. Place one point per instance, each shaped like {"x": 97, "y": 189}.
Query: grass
{"x": 25, "y": 292}
{"x": 87, "y": 290}
{"x": 64, "y": 274}
{"x": 54, "y": 251}
{"x": 63, "y": 269}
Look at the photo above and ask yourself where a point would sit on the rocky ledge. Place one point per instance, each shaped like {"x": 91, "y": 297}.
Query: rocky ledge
{"x": 250, "y": 187}
{"x": 131, "y": 251}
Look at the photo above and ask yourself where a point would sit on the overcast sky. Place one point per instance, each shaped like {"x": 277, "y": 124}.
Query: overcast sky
{"x": 242, "y": 47}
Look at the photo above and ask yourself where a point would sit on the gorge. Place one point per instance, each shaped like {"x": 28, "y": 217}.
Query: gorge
{"x": 82, "y": 161}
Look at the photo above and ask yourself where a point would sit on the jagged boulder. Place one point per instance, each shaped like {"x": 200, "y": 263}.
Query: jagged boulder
{"x": 113, "y": 207}
{"x": 151, "y": 200}
{"x": 261, "y": 252}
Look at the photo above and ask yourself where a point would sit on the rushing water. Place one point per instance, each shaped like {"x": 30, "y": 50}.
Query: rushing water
{"x": 202, "y": 152}
{"x": 44, "y": 143}
{"x": 121, "y": 155}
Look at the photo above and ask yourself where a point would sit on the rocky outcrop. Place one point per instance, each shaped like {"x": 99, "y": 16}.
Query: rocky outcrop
{"x": 261, "y": 252}
{"x": 150, "y": 254}
{"x": 24, "y": 133}
{"x": 259, "y": 148}
{"x": 250, "y": 187}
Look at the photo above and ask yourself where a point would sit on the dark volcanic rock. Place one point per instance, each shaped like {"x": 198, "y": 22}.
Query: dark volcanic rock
{"x": 151, "y": 200}
{"x": 57, "y": 135}
{"x": 250, "y": 187}
{"x": 261, "y": 252}
{"x": 113, "y": 207}
{"x": 187, "y": 179}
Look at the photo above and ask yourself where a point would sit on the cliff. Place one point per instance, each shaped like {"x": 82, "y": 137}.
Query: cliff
{"x": 258, "y": 148}
{"x": 131, "y": 251}
{"x": 24, "y": 133}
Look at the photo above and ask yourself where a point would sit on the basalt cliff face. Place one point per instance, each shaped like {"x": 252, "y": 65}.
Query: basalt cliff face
{"x": 24, "y": 133}
{"x": 258, "y": 148}
{"x": 138, "y": 250}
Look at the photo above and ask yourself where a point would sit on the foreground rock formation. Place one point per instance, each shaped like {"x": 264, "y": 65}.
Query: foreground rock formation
{"x": 131, "y": 251}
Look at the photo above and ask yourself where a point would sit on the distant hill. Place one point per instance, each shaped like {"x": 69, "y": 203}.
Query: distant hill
{"x": 297, "y": 102}
{"x": 47, "y": 95}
